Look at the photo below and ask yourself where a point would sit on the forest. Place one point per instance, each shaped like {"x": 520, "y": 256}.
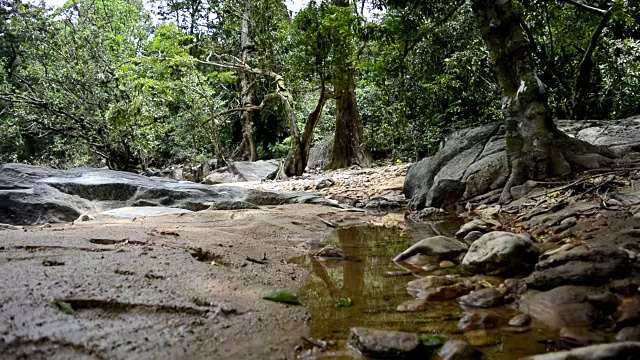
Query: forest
{"x": 135, "y": 85}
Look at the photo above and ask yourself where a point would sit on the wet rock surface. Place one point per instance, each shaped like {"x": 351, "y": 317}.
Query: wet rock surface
{"x": 624, "y": 350}
{"x": 483, "y": 298}
{"x": 386, "y": 344}
{"x": 439, "y": 247}
{"x": 459, "y": 350}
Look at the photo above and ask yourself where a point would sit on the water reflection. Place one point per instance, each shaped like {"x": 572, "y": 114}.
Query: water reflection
{"x": 377, "y": 287}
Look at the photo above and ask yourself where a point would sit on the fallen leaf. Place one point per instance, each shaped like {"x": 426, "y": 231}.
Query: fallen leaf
{"x": 283, "y": 296}
{"x": 63, "y": 306}
{"x": 344, "y": 301}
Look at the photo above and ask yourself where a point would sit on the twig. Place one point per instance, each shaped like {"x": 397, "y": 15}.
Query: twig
{"x": 256, "y": 261}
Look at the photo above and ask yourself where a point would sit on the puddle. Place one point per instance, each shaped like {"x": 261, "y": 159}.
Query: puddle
{"x": 377, "y": 286}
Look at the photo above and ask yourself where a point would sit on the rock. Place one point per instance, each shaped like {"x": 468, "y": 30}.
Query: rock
{"x": 482, "y": 319}
{"x": 440, "y": 247}
{"x": 564, "y": 306}
{"x": 481, "y": 338}
{"x": 484, "y": 298}
{"x": 579, "y": 266}
{"x": 442, "y": 293}
{"x": 629, "y": 334}
{"x": 428, "y": 282}
{"x": 581, "y": 336}
{"x": 320, "y": 153}
{"x": 628, "y": 313}
{"x": 477, "y": 157}
{"x": 84, "y": 217}
{"x": 331, "y": 252}
{"x": 477, "y": 225}
{"x": 621, "y": 350}
{"x": 446, "y": 264}
{"x": 324, "y": 183}
{"x": 501, "y": 253}
{"x": 10, "y": 227}
{"x": 520, "y": 320}
{"x": 381, "y": 202}
{"x": 459, "y": 350}
{"x": 473, "y": 236}
{"x": 444, "y": 193}
{"x": 233, "y": 205}
{"x": 240, "y": 171}
{"x": 141, "y": 211}
{"x": 380, "y": 343}
{"x": 520, "y": 191}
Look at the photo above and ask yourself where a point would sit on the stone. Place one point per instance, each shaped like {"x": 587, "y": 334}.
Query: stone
{"x": 324, "y": 183}
{"x": 428, "y": 282}
{"x": 523, "y": 190}
{"x": 141, "y": 211}
{"x": 628, "y": 313}
{"x": 440, "y": 247}
{"x": 564, "y": 306}
{"x": 579, "y": 266}
{"x": 459, "y": 350}
{"x": 443, "y": 293}
{"x": 380, "y": 343}
{"x": 382, "y": 202}
{"x": 477, "y": 225}
{"x": 233, "y": 205}
{"x": 484, "y": 298}
{"x": 481, "y": 338}
{"x": 629, "y": 334}
{"x": 520, "y": 320}
{"x": 473, "y": 236}
{"x": 621, "y": 350}
{"x": 331, "y": 252}
{"x": 501, "y": 253}
{"x": 84, "y": 217}
{"x": 482, "y": 319}
{"x": 581, "y": 336}
{"x": 10, "y": 227}
{"x": 241, "y": 171}
{"x": 446, "y": 264}
{"x": 445, "y": 192}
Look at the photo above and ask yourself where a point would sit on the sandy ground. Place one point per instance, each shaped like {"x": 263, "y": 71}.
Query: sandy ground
{"x": 168, "y": 287}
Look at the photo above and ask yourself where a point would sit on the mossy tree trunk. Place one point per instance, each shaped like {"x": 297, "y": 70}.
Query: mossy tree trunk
{"x": 248, "y": 150}
{"x": 536, "y": 149}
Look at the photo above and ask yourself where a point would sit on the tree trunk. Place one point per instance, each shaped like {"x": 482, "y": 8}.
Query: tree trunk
{"x": 536, "y": 149}
{"x": 248, "y": 145}
{"x": 347, "y": 144}
{"x": 298, "y": 155}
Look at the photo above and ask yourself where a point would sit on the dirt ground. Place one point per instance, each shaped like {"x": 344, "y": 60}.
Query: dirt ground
{"x": 176, "y": 286}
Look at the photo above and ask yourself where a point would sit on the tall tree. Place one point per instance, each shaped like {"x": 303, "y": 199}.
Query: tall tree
{"x": 348, "y": 143}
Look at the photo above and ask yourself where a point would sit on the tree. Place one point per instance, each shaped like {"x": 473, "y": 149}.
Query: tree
{"x": 536, "y": 149}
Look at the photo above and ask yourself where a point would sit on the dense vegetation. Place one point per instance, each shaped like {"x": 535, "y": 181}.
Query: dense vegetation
{"x": 135, "y": 84}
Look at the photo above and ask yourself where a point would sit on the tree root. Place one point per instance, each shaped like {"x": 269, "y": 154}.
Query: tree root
{"x": 566, "y": 155}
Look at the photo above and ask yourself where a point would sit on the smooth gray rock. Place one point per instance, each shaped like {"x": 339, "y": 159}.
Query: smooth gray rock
{"x": 380, "y": 343}
{"x": 140, "y": 211}
{"x": 580, "y": 266}
{"x": 35, "y": 195}
{"x": 242, "y": 171}
{"x": 483, "y": 298}
{"x": 478, "y": 225}
{"x": 440, "y": 247}
{"x": 622, "y": 350}
{"x": 459, "y": 350}
{"x": 501, "y": 253}
{"x": 477, "y": 156}
{"x": 233, "y": 205}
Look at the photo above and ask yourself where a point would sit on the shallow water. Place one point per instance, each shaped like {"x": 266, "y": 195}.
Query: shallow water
{"x": 377, "y": 286}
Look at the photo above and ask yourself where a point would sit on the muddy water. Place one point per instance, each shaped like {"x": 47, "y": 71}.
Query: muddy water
{"x": 377, "y": 286}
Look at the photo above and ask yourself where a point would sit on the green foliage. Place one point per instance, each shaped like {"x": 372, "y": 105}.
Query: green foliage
{"x": 283, "y": 296}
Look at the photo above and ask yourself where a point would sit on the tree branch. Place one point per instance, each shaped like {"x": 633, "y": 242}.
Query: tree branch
{"x": 585, "y": 7}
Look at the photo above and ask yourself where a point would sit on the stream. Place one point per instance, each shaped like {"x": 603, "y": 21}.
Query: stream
{"x": 377, "y": 286}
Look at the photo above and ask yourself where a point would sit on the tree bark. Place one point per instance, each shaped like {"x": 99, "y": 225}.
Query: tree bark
{"x": 348, "y": 148}
{"x": 248, "y": 149}
{"x": 298, "y": 155}
{"x": 536, "y": 149}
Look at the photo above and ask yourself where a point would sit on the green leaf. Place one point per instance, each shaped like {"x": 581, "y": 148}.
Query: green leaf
{"x": 429, "y": 340}
{"x": 283, "y": 296}
{"x": 63, "y": 306}
{"x": 344, "y": 301}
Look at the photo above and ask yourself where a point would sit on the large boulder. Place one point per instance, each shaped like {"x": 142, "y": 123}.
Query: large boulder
{"x": 501, "y": 253}
{"x": 476, "y": 157}
{"x": 36, "y": 195}
{"x": 241, "y": 171}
